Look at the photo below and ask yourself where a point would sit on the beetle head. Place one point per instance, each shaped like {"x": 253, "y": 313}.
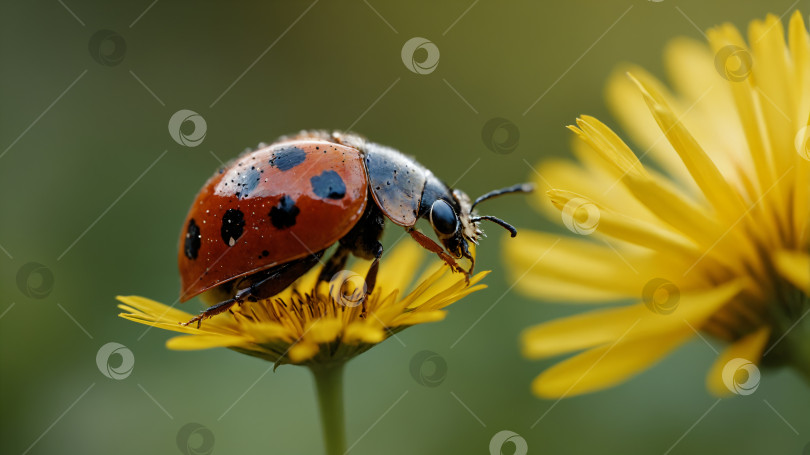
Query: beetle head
{"x": 457, "y": 224}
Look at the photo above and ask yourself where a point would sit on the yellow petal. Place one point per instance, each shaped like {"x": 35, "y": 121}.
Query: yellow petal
{"x": 592, "y": 181}
{"x": 363, "y": 332}
{"x": 455, "y": 289}
{"x": 323, "y": 330}
{"x": 406, "y": 256}
{"x": 629, "y": 108}
{"x": 795, "y": 266}
{"x": 171, "y": 326}
{"x": 557, "y": 290}
{"x": 154, "y": 308}
{"x": 772, "y": 78}
{"x": 748, "y": 348}
{"x": 707, "y": 107}
{"x": 610, "y": 146}
{"x": 799, "y": 42}
{"x": 630, "y": 230}
{"x": 630, "y": 322}
{"x": 440, "y": 302}
{"x": 728, "y": 37}
{"x": 674, "y": 208}
{"x": 724, "y": 199}
{"x": 302, "y": 351}
{"x": 195, "y": 342}
{"x": 419, "y": 317}
{"x": 263, "y": 332}
{"x": 606, "y": 366}
{"x": 581, "y": 266}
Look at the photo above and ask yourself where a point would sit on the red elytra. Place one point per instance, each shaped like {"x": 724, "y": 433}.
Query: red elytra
{"x": 260, "y": 187}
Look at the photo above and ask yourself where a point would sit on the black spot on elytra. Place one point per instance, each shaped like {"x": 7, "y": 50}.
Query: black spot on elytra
{"x": 328, "y": 185}
{"x": 192, "y": 243}
{"x": 265, "y": 253}
{"x": 247, "y": 181}
{"x": 283, "y": 214}
{"x": 288, "y": 157}
{"x": 233, "y": 224}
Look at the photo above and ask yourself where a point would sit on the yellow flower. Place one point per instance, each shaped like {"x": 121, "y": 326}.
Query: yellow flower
{"x": 706, "y": 227}
{"x": 317, "y": 323}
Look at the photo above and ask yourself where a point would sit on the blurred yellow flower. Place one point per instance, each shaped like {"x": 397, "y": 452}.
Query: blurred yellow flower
{"x": 710, "y": 236}
{"x": 318, "y": 323}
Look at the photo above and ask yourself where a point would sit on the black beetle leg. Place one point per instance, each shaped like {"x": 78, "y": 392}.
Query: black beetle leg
{"x": 263, "y": 285}
{"x": 214, "y": 310}
{"x": 371, "y": 275}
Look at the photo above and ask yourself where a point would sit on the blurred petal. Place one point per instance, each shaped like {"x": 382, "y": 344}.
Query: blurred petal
{"x": 749, "y": 348}
{"x": 630, "y": 322}
{"x": 324, "y": 330}
{"x": 795, "y": 266}
{"x": 606, "y": 366}
{"x": 363, "y": 332}
{"x": 302, "y": 351}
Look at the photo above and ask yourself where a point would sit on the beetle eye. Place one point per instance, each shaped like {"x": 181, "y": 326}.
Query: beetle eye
{"x": 443, "y": 217}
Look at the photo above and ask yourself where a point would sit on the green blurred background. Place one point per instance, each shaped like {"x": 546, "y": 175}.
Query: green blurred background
{"x": 78, "y": 199}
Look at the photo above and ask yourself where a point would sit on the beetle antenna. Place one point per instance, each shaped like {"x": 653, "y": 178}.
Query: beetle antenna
{"x": 497, "y": 221}
{"x": 519, "y": 188}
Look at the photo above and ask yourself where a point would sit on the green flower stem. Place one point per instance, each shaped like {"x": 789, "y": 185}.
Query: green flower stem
{"x": 329, "y": 384}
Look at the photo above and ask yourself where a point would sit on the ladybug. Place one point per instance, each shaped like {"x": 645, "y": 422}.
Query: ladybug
{"x": 269, "y": 216}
